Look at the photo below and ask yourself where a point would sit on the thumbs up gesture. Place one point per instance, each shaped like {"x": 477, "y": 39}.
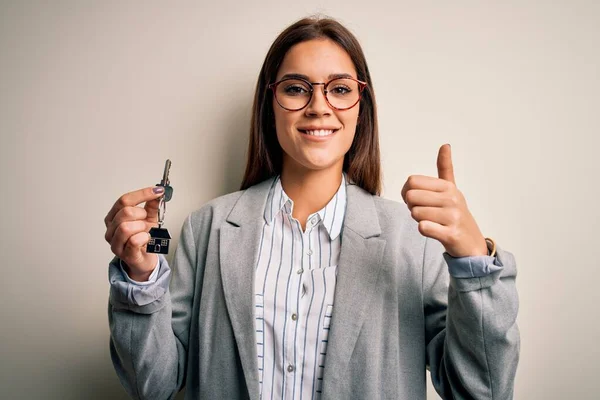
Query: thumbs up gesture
{"x": 441, "y": 209}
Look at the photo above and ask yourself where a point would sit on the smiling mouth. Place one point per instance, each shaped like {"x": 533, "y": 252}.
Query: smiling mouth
{"x": 319, "y": 132}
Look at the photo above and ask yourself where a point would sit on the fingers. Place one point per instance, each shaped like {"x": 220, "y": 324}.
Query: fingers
{"x": 438, "y": 215}
{"x": 135, "y": 248}
{"x": 124, "y": 215}
{"x": 151, "y": 208}
{"x": 434, "y": 230}
{"x": 129, "y": 236}
{"x": 425, "y": 198}
{"x": 425, "y": 183}
{"x": 129, "y": 244}
{"x": 133, "y": 199}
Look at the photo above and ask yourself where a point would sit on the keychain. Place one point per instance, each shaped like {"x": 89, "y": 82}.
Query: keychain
{"x": 159, "y": 237}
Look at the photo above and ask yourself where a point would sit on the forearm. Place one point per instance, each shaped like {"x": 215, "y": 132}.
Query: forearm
{"x": 476, "y": 354}
{"x": 148, "y": 357}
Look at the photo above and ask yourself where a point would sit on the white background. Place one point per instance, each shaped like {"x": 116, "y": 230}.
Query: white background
{"x": 94, "y": 96}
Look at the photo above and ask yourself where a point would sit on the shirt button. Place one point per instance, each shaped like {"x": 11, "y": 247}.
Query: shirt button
{"x": 294, "y": 317}
{"x": 300, "y": 271}
{"x": 314, "y": 220}
{"x": 309, "y": 252}
{"x": 290, "y": 368}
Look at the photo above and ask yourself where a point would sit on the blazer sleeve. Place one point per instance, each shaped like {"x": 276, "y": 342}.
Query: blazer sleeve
{"x": 470, "y": 327}
{"x": 149, "y": 325}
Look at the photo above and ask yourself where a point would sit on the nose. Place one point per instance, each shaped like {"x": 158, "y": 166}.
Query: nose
{"x": 318, "y": 103}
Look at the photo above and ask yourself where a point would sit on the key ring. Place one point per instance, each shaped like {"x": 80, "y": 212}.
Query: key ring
{"x": 162, "y": 210}
{"x": 159, "y": 236}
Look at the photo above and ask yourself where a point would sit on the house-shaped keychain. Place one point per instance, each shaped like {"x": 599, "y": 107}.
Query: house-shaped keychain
{"x": 159, "y": 241}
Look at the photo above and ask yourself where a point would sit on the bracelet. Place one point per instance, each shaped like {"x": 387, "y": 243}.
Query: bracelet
{"x": 490, "y": 241}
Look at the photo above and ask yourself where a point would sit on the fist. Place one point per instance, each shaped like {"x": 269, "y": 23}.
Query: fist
{"x": 441, "y": 209}
{"x": 127, "y": 227}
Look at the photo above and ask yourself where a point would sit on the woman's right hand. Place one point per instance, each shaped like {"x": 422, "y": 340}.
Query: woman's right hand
{"x": 127, "y": 227}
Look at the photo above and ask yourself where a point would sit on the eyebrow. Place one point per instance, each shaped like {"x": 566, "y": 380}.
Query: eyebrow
{"x": 330, "y": 77}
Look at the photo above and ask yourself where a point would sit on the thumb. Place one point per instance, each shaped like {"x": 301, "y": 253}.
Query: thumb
{"x": 151, "y": 208}
{"x": 444, "y": 164}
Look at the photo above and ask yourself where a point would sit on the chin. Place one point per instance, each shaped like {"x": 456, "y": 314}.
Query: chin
{"x": 318, "y": 165}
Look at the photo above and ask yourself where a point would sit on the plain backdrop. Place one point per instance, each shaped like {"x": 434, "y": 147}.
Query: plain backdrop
{"x": 94, "y": 96}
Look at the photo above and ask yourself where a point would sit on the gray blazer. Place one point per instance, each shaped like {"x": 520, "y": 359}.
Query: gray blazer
{"x": 397, "y": 312}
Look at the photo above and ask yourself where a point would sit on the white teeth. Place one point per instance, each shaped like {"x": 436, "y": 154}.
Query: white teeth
{"x": 321, "y": 132}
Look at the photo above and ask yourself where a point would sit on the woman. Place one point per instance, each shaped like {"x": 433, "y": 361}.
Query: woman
{"x": 306, "y": 283}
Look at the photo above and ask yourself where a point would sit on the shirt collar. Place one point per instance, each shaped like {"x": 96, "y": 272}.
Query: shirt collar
{"x": 332, "y": 215}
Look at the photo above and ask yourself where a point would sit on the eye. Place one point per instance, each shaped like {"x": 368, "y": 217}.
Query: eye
{"x": 340, "y": 89}
{"x": 295, "y": 89}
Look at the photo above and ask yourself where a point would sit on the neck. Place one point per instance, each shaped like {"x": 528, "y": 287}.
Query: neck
{"x": 310, "y": 190}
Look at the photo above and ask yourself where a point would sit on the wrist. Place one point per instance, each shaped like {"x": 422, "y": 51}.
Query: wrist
{"x": 481, "y": 249}
{"x": 143, "y": 275}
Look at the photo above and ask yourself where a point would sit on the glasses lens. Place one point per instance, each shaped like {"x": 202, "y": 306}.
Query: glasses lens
{"x": 293, "y": 94}
{"x": 343, "y": 93}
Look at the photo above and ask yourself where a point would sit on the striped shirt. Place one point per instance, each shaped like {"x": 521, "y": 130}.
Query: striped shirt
{"x": 294, "y": 289}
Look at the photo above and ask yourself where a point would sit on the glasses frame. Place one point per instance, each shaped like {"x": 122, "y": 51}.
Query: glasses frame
{"x": 273, "y": 86}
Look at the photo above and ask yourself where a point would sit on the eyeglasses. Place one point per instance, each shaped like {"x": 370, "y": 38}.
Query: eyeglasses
{"x": 293, "y": 94}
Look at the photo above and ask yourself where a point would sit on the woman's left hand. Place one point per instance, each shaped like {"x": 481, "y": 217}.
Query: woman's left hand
{"x": 441, "y": 210}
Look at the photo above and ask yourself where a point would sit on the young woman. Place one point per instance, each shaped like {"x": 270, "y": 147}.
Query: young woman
{"x": 306, "y": 284}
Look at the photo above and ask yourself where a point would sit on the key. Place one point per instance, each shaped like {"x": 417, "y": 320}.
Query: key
{"x": 159, "y": 236}
{"x": 165, "y": 182}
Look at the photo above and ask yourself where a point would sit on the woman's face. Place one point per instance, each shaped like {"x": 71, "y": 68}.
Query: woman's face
{"x": 305, "y": 149}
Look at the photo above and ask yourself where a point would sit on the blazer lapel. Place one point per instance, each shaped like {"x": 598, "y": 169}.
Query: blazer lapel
{"x": 358, "y": 271}
{"x": 239, "y": 241}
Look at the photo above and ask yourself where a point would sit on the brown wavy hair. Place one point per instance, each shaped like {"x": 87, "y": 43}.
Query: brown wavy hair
{"x": 362, "y": 162}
